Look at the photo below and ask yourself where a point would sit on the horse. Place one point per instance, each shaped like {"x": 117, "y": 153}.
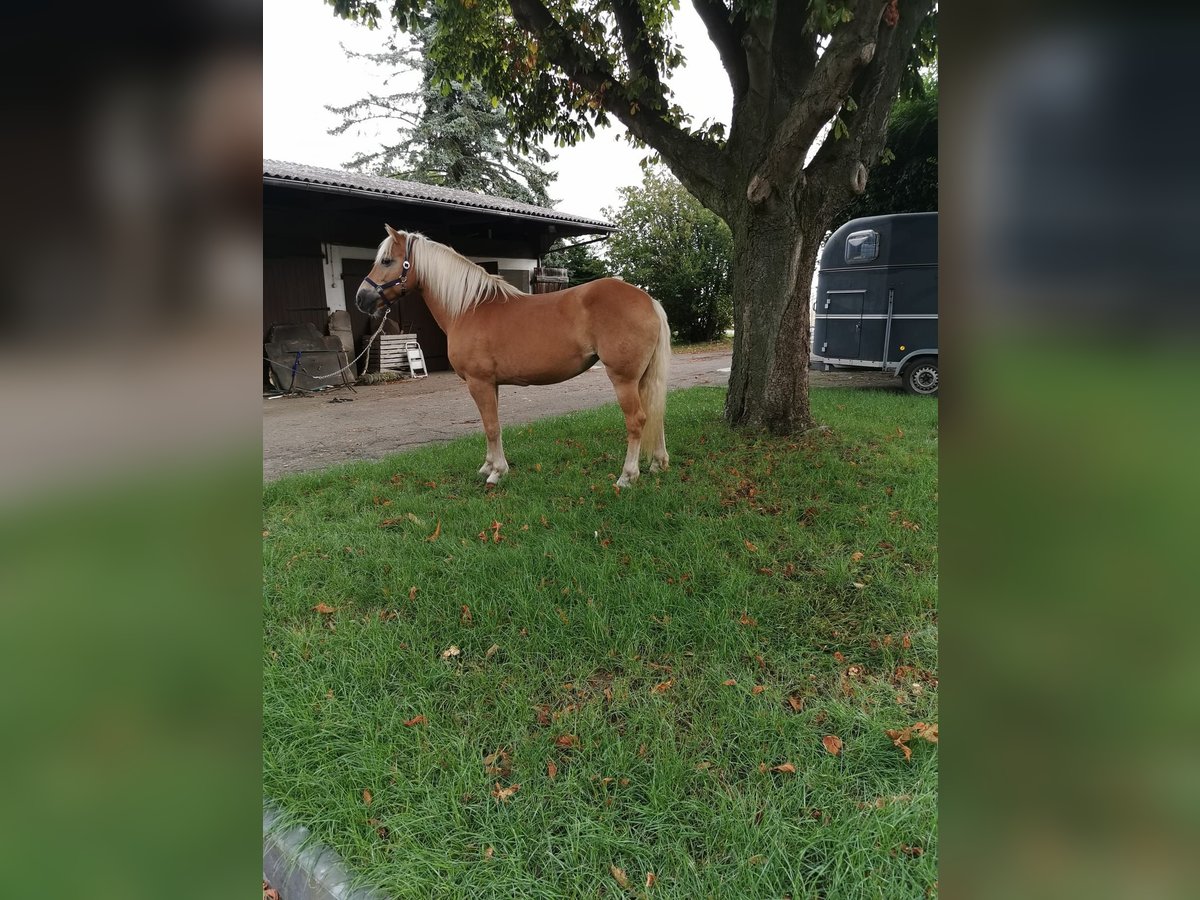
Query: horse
{"x": 497, "y": 334}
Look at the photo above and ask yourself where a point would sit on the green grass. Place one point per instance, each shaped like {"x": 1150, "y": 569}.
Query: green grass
{"x": 736, "y": 564}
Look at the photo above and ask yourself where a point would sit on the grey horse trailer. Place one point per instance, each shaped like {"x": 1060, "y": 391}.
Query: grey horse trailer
{"x": 877, "y": 299}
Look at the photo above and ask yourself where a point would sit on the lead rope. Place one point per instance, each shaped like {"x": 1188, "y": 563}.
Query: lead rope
{"x": 366, "y": 350}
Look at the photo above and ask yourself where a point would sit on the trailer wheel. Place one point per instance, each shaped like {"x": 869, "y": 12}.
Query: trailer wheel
{"x": 921, "y": 376}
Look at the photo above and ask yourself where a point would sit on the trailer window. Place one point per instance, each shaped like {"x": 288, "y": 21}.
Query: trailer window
{"x": 862, "y": 246}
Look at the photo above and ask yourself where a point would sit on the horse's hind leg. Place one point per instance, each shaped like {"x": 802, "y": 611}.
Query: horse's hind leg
{"x": 660, "y": 460}
{"x": 487, "y": 397}
{"x": 635, "y": 418}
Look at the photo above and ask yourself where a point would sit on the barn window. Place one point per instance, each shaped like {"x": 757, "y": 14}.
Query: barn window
{"x": 862, "y": 246}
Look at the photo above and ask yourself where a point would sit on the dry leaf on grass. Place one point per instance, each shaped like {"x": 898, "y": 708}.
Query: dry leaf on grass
{"x": 489, "y": 852}
{"x": 901, "y": 736}
{"x": 416, "y": 720}
{"x": 757, "y": 689}
{"x": 491, "y": 651}
{"x": 451, "y": 652}
{"x": 504, "y": 794}
{"x": 785, "y": 768}
{"x": 412, "y": 592}
{"x": 619, "y": 874}
{"x": 662, "y": 687}
{"x": 466, "y": 617}
{"x": 796, "y": 703}
{"x": 651, "y": 878}
{"x": 367, "y": 798}
{"x": 747, "y": 620}
{"x": 567, "y": 741}
{"x": 757, "y": 859}
{"x": 729, "y": 682}
{"x": 551, "y": 769}
{"x": 856, "y": 555}
{"x": 832, "y": 743}
{"x": 436, "y": 532}
{"x": 324, "y": 609}
{"x": 751, "y": 547}
{"x": 498, "y": 763}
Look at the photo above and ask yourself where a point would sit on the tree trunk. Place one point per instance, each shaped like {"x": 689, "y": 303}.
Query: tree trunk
{"x": 774, "y": 252}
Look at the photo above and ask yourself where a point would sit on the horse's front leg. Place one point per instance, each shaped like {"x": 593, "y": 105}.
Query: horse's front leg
{"x": 487, "y": 397}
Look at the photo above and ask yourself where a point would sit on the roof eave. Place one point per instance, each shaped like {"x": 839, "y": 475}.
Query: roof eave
{"x": 588, "y": 227}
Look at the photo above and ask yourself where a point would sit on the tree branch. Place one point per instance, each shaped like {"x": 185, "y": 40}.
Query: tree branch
{"x": 844, "y": 163}
{"x": 697, "y": 163}
{"x": 632, "y": 25}
{"x": 725, "y": 30}
{"x": 851, "y": 46}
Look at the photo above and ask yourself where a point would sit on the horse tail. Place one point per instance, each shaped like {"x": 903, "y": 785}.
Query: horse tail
{"x": 653, "y": 387}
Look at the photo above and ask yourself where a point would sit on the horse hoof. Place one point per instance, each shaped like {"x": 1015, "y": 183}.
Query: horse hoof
{"x": 624, "y": 481}
{"x": 485, "y": 469}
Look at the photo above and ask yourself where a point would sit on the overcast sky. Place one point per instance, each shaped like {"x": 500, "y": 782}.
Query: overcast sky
{"x": 304, "y": 69}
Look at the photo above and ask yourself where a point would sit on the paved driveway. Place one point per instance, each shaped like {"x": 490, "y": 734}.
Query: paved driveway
{"x": 302, "y": 433}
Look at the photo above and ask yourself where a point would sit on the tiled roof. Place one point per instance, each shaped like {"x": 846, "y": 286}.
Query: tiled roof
{"x": 410, "y": 190}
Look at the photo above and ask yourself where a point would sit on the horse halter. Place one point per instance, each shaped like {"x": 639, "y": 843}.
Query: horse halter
{"x": 402, "y": 281}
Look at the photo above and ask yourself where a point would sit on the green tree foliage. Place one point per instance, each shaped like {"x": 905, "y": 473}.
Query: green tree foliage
{"x": 906, "y": 180}
{"x": 668, "y": 244}
{"x": 580, "y": 260}
{"x": 447, "y": 133}
{"x": 812, "y": 83}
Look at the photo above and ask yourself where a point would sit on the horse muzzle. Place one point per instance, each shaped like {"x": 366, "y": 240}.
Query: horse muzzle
{"x": 370, "y": 301}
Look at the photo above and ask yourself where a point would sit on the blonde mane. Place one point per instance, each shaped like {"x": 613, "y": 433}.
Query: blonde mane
{"x": 457, "y": 284}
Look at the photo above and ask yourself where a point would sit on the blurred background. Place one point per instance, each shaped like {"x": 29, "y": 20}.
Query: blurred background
{"x": 130, "y": 450}
{"x": 130, "y": 457}
{"x": 1069, "y": 671}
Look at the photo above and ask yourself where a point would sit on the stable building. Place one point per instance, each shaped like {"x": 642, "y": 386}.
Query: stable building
{"x": 322, "y": 227}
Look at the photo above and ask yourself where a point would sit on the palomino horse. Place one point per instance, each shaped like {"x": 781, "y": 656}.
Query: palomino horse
{"x": 497, "y": 334}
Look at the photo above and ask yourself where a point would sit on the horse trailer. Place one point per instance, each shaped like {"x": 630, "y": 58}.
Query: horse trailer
{"x": 877, "y": 299}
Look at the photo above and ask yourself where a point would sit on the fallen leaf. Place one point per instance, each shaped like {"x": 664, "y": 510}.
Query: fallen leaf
{"x": 498, "y": 763}
{"x": 436, "y": 532}
{"x": 619, "y": 874}
{"x": 504, "y": 794}
{"x": 543, "y": 715}
{"x": 608, "y": 694}
{"x": 762, "y": 768}
{"x": 785, "y": 768}
{"x": 662, "y": 687}
{"x": 757, "y": 859}
{"x": 367, "y": 798}
{"x": 856, "y": 555}
{"x": 796, "y": 703}
{"x": 912, "y": 851}
{"x": 416, "y": 720}
{"x": 324, "y": 609}
{"x": 466, "y": 618}
{"x": 833, "y": 744}
{"x": 859, "y": 585}
{"x": 651, "y": 878}
{"x": 729, "y": 682}
{"x": 837, "y": 654}
{"x": 491, "y": 651}
{"x": 757, "y": 689}
{"x": 750, "y": 547}
{"x": 496, "y": 538}
{"x": 906, "y": 642}
{"x": 701, "y": 766}
{"x": 489, "y": 852}
{"x": 451, "y": 652}
{"x": 747, "y": 620}
{"x": 266, "y": 532}
{"x": 551, "y": 769}
{"x": 412, "y": 592}
{"x": 567, "y": 741}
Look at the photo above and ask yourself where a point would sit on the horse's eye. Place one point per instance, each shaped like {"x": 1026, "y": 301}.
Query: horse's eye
{"x": 387, "y": 262}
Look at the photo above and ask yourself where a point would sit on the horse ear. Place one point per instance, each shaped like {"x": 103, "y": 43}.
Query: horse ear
{"x": 393, "y": 232}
